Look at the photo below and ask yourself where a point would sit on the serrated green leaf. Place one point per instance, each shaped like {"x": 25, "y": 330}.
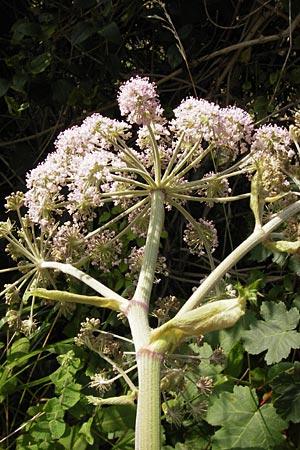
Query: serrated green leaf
{"x": 275, "y": 333}
{"x": 243, "y": 424}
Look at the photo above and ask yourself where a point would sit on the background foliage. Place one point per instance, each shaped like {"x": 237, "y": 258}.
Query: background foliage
{"x": 61, "y": 61}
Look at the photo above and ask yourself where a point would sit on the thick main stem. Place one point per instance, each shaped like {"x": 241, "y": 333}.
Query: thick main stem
{"x": 147, "y": 435}
{"x": 156, "y": 223}
{"x": 148, "y": 363}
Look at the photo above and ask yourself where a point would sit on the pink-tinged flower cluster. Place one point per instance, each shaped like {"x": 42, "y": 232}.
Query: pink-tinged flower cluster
{"x": 73, "y": 174}
{"x": 227, "y": 128}
{"x": 134, "y": 262}
{"x": 196, "y": 118}
{"x": 88, "y": 174}
{"x": 138, "y": 99}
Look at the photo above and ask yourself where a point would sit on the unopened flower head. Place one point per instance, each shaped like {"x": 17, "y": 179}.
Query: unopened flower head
{"x": 86, "y": 335}
{"x": 205, "y": 385}
{"x": 14, "y": 201}
{"x": 135, "y": 260}
{"x": 104, "y": 250}
{"x": 214, "y": 187}
{"x": 165, "y": 307}
{"x": 68, "y": 242}
{"x": 201, "y": 237}
{"x": 138, "y": 99}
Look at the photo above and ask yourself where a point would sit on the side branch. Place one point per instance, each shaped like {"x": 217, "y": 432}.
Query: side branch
{"x": 88, "y": 280}
{"x": 258, "y": 236}
{"x": 63, "y": 296}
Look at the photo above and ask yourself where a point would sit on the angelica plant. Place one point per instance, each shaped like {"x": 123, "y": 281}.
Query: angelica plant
{"x": 107, "y": 178}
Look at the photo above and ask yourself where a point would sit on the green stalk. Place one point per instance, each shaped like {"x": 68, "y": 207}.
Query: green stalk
{"x": 156, "y": 156}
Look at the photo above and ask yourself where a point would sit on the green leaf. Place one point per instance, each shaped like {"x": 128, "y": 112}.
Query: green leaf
{"x": 118, "y": 418}
{"x": 174, "y": 56}
{"x": 8, "y": 383}
{"x": 15, "y": 108}
{"x": 286, "y": 391}
{"x": 40, "y": 63}
{"x": 243, "y": 424}
{"x": 234, "y": 360}
{"x": 70, "y": 395}
{"x": 15, "y": 353}
{"x": 85, "y": 431}
{"x": 57, "y": 428}
{"x": 294, "y": 264}
{"x": 39, "y": 431}
{"x": 276, "y": 333}
{"x": 53, "y": 409}
{"x": 24, "y": 28}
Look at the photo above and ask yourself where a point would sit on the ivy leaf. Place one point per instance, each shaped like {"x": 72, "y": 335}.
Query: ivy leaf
{"x": 286, "y": 391}
{"x": 276, "y": 333}
{"x": 243, "y": 424}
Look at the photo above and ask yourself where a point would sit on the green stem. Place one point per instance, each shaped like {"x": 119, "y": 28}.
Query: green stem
{"x": 258, "y": 235}
{"x": 148, "y": 409}
{"x": 156, "y": 156}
